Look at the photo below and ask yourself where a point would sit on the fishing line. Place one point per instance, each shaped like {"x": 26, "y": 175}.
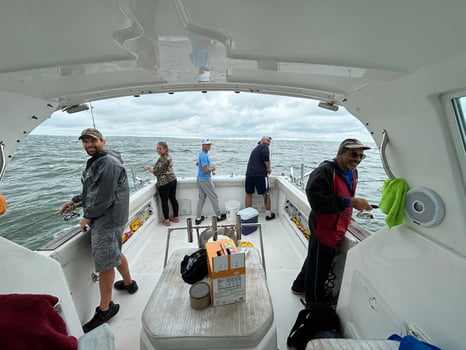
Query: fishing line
{"x": 66, "y": 217}
{"x": 360, "y": 181}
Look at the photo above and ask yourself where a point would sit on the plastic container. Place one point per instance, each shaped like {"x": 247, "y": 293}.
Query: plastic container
{"x": 199, "y": 295}
{"x": 248, "y": 216}
{"x": 232, "y": 208}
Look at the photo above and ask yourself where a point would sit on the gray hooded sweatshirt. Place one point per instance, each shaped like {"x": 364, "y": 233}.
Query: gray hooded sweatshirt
{"x": 105, "y": 193}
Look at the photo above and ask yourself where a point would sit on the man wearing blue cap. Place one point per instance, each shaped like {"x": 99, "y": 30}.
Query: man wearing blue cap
{"x": 205, "y": 184}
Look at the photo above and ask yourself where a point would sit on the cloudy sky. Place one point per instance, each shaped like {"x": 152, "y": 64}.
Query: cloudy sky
{"x": 214, "y": 114}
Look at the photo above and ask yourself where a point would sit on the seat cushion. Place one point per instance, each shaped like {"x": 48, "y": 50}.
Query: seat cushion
{"x": 351, "y": 344}
{"x": 169, "y": 321}
{"x": 30, "y": 321}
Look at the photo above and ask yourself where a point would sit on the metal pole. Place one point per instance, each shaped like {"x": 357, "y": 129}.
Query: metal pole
{"x": 302, "y": 173}
{"x": 189, "y": 223}
{"x": 238, "y": 228}
{"x": 214, "y": 228}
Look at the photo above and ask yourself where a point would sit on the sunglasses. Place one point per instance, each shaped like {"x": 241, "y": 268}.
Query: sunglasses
{"x": 356, "y": 155}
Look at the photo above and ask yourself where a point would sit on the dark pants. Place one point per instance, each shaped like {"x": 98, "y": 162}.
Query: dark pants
{"x": 167, "y": 192}
{"x": 315, "y": 271}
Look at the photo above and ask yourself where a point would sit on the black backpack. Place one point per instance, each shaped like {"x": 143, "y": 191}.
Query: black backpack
{"x": 194, "y": 266}
{"x": 312, "y": 321}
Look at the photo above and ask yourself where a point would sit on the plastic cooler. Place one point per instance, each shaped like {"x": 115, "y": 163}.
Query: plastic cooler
{"x": 248, "y": 216}
{"x": 232, "y": 208}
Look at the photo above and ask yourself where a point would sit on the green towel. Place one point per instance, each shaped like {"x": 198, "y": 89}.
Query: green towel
{"x": 393, "y": 200}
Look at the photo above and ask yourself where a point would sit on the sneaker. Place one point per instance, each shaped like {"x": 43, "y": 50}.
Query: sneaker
{"x": 270, "y": 217}
{"x": 199, "y": 220}
{"x": 101, "y": 317}
{"x": 130, "y": 288}
{"x": 221, "y": 217}
{"x": 297, "y": 291}
{"x": 331, "y": 301}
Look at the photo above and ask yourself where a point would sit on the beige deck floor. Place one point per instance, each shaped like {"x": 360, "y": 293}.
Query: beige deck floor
{"x": 284, "y": 254}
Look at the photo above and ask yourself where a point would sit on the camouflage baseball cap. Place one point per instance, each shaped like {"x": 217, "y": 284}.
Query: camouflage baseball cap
{"x": 92, "y": 133}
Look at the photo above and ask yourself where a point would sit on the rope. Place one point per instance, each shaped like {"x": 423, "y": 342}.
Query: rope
{"x": 246, "y": 244}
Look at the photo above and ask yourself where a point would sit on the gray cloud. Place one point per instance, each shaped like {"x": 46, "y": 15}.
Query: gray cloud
{"x": 214, "y": 114}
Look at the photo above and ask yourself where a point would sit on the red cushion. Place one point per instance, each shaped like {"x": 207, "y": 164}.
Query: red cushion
{"x": 29, "y": 321}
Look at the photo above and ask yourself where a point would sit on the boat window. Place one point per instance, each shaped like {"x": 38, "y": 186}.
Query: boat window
{"x": 459, "y": 105}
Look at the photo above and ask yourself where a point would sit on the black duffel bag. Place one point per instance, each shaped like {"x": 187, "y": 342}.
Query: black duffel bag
{"x": 194, "y": 266}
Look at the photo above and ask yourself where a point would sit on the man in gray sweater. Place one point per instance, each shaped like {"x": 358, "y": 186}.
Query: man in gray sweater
{"x": 105, "y": 202}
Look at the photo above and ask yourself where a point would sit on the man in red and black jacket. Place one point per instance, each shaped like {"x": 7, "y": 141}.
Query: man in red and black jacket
{"x": 330, "y": 191}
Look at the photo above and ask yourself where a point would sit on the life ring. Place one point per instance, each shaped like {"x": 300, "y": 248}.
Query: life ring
{"x": 3, "y": 205}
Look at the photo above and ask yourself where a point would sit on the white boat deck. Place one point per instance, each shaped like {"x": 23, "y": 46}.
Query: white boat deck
{"x": 284, "y": 254}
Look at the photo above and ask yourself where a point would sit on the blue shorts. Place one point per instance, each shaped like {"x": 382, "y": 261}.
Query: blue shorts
{"x": 260, "y": 183}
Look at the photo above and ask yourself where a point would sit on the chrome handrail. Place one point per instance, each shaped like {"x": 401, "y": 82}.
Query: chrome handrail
{"x": 299, "y": 181}
{"x": 383, "y": 144}
{"x": 2, "y": 159}
{"x": 237, "y": 225}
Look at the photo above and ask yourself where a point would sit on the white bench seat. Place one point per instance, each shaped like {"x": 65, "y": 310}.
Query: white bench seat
{"x": 169, "y": 321}
{"x": 352, "y": 344}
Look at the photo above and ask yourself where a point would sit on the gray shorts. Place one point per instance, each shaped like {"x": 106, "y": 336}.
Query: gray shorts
{"x": 106, "y": 247}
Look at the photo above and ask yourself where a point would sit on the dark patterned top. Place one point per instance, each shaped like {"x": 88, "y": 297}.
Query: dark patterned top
{"x": 163, "y": 170}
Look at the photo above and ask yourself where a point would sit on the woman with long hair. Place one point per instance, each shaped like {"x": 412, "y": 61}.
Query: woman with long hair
{"x": 166, "y": 182}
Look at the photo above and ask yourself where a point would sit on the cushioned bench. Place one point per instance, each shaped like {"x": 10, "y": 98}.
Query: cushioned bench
{"x": 169, "y": 321}
{"x": 352, "y": 344}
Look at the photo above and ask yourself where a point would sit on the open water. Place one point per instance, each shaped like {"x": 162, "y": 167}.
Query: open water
{"x": 45, "y": 172}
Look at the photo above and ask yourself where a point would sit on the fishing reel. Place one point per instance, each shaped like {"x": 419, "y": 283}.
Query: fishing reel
{"x": 71, "y": 216}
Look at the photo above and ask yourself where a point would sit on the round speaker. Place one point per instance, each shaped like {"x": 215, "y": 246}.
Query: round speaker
{"x": 424, "y": 207}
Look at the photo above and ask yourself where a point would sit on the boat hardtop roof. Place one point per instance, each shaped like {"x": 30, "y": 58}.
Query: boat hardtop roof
{"x": 397, "y": 66}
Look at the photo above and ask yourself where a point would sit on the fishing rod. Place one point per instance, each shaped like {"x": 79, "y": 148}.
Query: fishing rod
{"x": 66, "y": 217}
{"x": 363, "y": 214}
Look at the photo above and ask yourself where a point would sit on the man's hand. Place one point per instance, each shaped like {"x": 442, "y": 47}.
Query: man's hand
{"x": 84, "y": 223}
{"x": 67, "y": 207}
{"x": 360, "y": 203}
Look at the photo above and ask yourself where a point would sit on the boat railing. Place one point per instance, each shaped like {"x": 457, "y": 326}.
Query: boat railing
{"x": 299, "y": 180}
{"x": 137, "y": 181}
{"x": 2, "y": 159}
{"x": 235, "y": 234}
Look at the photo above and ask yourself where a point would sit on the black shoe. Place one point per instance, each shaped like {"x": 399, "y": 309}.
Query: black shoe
{"x": 297, "y": 290}
{"x": 130, "y": 288}
{"x": 101, "y": 317}
{"x": 221, "y": 217}
{"x": 270, "y": 217}
{"x": 329, "y": 301}
{"x": 198, "y": 221}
